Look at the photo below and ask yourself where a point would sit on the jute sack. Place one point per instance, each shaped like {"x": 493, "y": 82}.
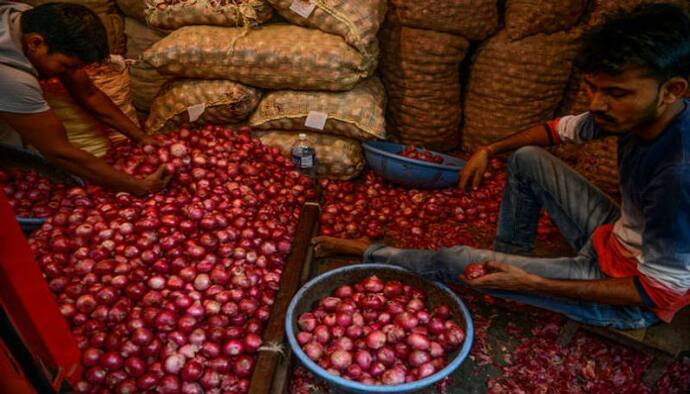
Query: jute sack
{"x": 575, "y": 100}
{"x": 133, "y": 9}
{"x": 173, "y": 14}
{"x": 83, "y": 130}
{"x": 516, "y": 84}
{"x": 146, "y": 83}
{"x": 145, "y": 80}
{"x": 420, "y": 69}
{"x": 113, "y": 79}
{"x": 357, "y": 21}
{"x": 529, "y": 17}
{"x": 272, "y": 57}
{"x": 472, "y": 19}
{"x": 140, "y": 37}
{"x": 336, "y": 157}
{"x": 185, "y": 103}
{"x": 115, "y": 27}
{"x": 358, "y": 113}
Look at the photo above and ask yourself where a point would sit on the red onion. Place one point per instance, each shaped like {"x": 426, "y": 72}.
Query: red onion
{"x": 91, "y": 357}
{"x": 313, "y": 350}
{"x": 192, "y": 371}
{"x": 376, "y": 340}
{"x": 341, "y": 359}
{"x": 243, "y": 366}
{"x": 474, "y": 270}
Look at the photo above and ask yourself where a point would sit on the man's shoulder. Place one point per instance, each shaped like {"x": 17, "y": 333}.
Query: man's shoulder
{"x": 21, "y": 91}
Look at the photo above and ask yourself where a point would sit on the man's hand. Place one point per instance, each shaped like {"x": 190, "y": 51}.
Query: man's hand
{"x": 148, "y": 140}
{"x": 156, "y": 181}
{"x": 504, "y": 277}
{"x": 474, "y": 169}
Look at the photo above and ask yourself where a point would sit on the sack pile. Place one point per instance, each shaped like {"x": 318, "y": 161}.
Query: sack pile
{"x": 183, "y": 103}
{"x": 525, "y": 18}
{"x": 146, "y": 80}
{"x": 516, "y": 84}
{"x": 422, "y": 46}
{"x": 210, "y": 62}
{"x": 475, "y": 20}
{"x": 173, "y": 14}
{"x": 420, "y": 69}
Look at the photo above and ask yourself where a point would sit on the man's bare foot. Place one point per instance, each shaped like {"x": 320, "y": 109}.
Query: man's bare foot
{"x": 329, "y": 246}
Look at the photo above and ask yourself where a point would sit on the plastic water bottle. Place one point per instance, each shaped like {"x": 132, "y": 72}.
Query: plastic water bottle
{"x": 304, "y": 156}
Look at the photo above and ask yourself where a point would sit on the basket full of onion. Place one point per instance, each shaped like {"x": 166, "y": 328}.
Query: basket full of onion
{"x": 411, "y": 166}
{"x": 375, "y": 328}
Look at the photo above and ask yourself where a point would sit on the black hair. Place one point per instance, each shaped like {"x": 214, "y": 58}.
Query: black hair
{"x": 71, "y": 29}
{"x": 654, "y": 37}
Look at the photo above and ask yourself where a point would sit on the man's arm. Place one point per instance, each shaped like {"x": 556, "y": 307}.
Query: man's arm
{"x": 46, "y": 133}
{"x": 476, "y": 166}
{"x": 80, "y": 87}
{"x": 605, "y": 291}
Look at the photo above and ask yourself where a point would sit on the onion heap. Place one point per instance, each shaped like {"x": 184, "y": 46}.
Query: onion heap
{"x": 30, "y": 194}
{"x": 171, "y": 292}
{"x": 417, "y": 219}
{"x": 379, "y": 332}
{"x": 423, "y": 155}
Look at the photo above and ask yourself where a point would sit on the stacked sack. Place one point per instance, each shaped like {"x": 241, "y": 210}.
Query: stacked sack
{"x": 423, "y": 44}
{"x": 519, "y": 76}
{"x": 316, "y": 72}
{"x": 146, "y": 81}
{"x": 107, "y": 11}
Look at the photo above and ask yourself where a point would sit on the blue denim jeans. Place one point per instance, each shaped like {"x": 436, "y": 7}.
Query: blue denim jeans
{"x": 536, "y": 180}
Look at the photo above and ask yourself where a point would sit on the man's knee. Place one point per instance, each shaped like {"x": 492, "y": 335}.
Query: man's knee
{"x": 526, "y": 157}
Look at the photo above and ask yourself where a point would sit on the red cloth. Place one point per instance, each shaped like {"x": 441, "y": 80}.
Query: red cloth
{"x": 26, "y": 297}
{"x": 616, "y": 262}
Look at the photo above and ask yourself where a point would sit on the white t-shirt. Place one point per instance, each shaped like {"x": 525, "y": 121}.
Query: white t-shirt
{"x": 20, "y": 91}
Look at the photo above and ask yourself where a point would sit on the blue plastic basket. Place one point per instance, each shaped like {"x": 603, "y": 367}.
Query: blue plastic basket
{"x": 384, "y": 159}
{"x": 12, "y": 156}
{"x": 323, "y": 285}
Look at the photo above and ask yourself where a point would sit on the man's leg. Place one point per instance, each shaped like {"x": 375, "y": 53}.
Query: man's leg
{"x": 538, "y": 179}
{"x": 447, "y": 264}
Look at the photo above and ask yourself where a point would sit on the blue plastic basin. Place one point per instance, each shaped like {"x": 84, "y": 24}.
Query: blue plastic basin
{"x": 323, "y": 285}
{"x": 384, "y": 159}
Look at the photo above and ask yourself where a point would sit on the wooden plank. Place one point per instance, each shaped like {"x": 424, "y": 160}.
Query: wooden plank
{"x": 267, "y": 361}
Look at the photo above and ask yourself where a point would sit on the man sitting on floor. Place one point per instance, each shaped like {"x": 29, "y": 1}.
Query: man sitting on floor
{"x": 633, "y": 262}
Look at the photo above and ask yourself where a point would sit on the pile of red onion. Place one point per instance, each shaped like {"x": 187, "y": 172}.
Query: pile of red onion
{"x": 171, "y": 292}
{"x": 421, "y": 154}
{"x": 30, "y": 194}
{"x": 379, "y": 332}
{"x": 417, "y": 219}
